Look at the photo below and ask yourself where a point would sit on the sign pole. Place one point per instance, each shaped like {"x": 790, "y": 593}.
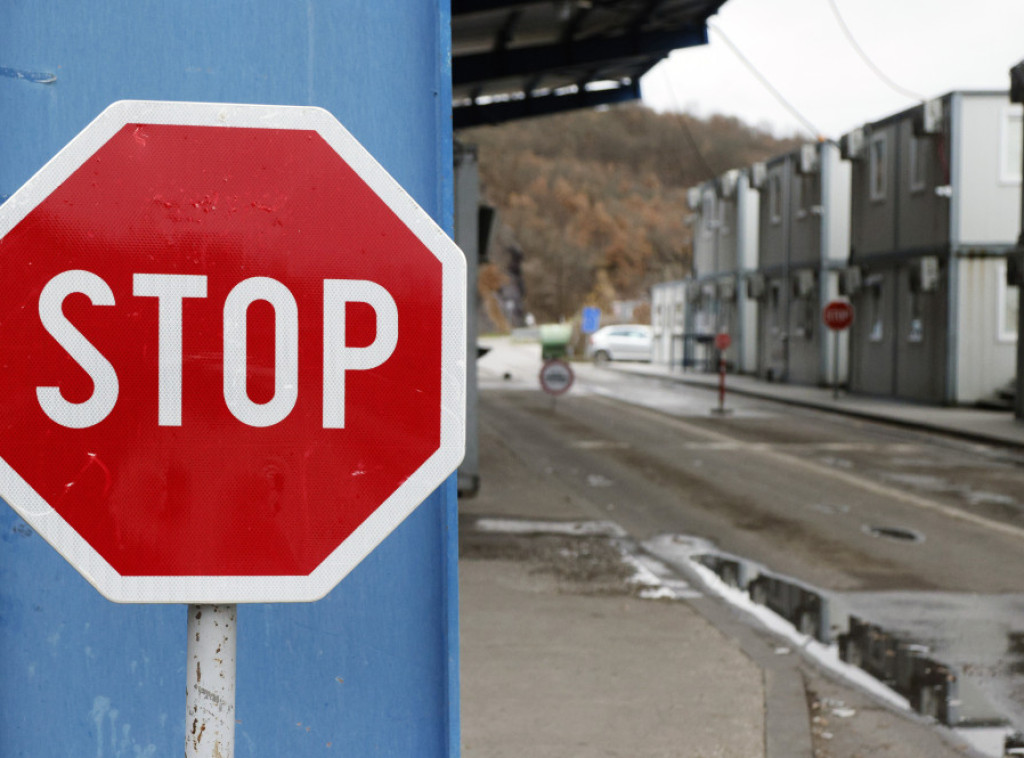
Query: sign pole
{"x": 721, "y": 383}
{"x": 835, "y": 365}
{"x": 837, "y": 315}
{"x": 722, "y": 343}
{"x": 210, "y": 677}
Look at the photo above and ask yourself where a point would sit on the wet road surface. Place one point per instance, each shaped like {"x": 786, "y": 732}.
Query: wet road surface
{"x": 921, "y": 533}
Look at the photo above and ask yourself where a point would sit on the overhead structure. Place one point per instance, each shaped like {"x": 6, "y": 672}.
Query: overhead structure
{"x": 518, "y": 58}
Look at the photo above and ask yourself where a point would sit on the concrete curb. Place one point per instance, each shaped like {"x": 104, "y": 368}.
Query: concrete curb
{"x": 845, "y": 410}
{"x": 787, "y": 723}
{"x": 787, "y": 718}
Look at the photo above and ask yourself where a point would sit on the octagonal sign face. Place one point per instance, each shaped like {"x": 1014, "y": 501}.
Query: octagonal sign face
{"x": 233, "y": 353}
{"x": 837, "y": 315}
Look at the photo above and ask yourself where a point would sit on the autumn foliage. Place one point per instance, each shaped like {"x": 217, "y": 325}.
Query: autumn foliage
{"x": 596, "y": 200}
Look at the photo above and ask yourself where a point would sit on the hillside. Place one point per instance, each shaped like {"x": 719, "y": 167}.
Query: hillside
{"x": 592, "y": 204}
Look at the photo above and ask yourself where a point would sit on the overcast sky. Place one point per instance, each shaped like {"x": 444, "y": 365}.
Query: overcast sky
{"x": 929, "y": 47}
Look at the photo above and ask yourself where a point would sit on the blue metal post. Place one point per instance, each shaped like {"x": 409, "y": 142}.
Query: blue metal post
{"x": 371, "y": 670}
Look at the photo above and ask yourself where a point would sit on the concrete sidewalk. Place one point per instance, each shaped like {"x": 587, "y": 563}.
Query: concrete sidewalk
{"x": 978, "y": 425}
{"x": 550, "y": 674}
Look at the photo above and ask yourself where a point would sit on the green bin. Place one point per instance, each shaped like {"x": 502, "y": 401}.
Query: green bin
{"x": 554, "y": 340}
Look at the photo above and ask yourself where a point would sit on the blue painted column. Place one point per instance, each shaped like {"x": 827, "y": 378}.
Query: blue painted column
{"x": 371, "y": 670}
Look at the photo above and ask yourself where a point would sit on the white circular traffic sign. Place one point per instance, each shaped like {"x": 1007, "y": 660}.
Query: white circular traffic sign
{"x": 556, "y": 377}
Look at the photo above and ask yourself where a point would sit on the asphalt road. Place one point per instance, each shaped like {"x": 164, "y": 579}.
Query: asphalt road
{"x": 807, "y": 494}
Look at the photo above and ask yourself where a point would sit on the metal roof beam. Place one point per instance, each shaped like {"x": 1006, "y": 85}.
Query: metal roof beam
{"x": 544, "y": 105}
{"x": 527, "y": 61}
{"x": 574, "y": 24}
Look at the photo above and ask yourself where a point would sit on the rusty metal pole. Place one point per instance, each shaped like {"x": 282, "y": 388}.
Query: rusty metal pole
{"x": 721, "y": 383}
{"x": 210, "y": 675}
{"x": 835, "y": 366}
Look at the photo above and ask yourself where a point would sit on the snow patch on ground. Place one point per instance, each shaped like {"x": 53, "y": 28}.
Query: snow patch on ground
{"x": 678, "y": 548}
{"x": 572, "y": 528}
{"x": 986, "y": 740}
{"x": 655, "y": 579}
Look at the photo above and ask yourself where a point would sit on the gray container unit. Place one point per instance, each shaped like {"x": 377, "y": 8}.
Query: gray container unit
{"x": 726, "y": 263}
{"x": 1017, "y": 96}
{"x": 701, "y": 291}
{"x": 668, "y": 321}
{"x": 899, "y": 222}
{"x": 773, "y": 180}
{"x": 932, "y": 189}
{"x": 737, "y": 258}
{"x": 804, "y": 226}
{"x": 725, "y": 250}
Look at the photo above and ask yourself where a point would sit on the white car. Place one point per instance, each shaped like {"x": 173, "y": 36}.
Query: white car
{"x": 621, "y": 342}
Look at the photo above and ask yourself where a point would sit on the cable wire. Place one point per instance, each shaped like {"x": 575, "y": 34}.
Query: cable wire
{"x": 686, "y": 127}
{"x": 864, "y": 56}
{"x": 810, "y": 127}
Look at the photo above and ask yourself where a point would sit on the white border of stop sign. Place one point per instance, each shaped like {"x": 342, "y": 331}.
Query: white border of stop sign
{"x": 431, "y": 474}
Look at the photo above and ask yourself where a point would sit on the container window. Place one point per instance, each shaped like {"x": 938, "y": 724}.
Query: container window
{"x": 1012, "y": 147}
{"x": 916, "y": 331}
{"x": 806, "y": 318}
{"x": 874, "y": 293}
{"x": 878, "y": 167}
{"x": 1008, "y": 303}
{"x": 918, "y": 163}
{"x": 708, "y": 210}
{"x": 775, "y": 198}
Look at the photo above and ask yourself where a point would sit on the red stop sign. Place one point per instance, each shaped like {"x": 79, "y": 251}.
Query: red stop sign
{"x": 838, "y": 315}
{"x": 233, "y": 353}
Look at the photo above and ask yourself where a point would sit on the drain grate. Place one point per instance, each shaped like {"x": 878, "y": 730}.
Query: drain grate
{"x": 898, "y": 533}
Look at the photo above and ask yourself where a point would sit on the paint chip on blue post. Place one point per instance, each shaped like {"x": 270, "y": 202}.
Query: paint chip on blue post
{"x": 36, "y": 77}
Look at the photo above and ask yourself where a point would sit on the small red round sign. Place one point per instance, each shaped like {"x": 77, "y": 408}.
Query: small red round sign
{"x": 722, "y": 341}
{"x": 838, "y": 315}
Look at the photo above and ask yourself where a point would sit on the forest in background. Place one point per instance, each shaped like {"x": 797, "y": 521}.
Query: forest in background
{"x": 592, "y": 204}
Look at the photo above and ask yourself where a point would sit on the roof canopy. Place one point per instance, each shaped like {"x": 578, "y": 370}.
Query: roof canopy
{"x": 516, "y": 58}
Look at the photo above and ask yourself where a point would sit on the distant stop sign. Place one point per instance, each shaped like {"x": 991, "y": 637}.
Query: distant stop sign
{"x": 232, "y": 356}
{"x": 838, "y": 315}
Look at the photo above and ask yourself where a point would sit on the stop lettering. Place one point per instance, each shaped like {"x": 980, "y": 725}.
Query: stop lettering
{"x": 171, "y": 290}
{"x": 837, "y": 315}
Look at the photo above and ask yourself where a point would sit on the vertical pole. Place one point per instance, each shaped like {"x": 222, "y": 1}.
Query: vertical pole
{"x": 210, "y": 676}
{"x": 721, "y": 383}
{"x": 835, "y": 365}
